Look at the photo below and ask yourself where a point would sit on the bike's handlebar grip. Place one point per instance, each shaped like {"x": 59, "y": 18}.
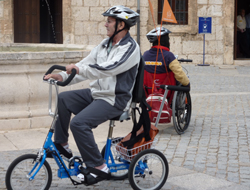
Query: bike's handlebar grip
{"x": 185, "y": 60}
{"x": 62, "y": 68}
{"x": 176, "y": 88}
{"x": 52, "y": 68}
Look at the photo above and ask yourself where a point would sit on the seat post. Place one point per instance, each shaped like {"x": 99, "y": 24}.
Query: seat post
{"x": 111, "y": 127}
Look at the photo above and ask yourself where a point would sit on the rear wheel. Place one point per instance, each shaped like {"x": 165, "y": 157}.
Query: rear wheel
{"x": 120, "y": 174}
{"x": 17, "y": 176}
{"x": 181, "y": 108}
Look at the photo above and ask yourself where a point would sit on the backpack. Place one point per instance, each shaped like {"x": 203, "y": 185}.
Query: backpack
{"x": 154, "y": 98}
{"x": 142, "y": 135}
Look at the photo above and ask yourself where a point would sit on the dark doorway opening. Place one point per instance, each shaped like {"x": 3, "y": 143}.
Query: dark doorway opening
{"x": 50, "y": 21}
{"x": 38, "y": 21}
{"x": 239, "y": 52}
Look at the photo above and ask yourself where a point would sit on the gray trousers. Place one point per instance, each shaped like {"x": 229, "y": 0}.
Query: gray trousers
{"x": 89, "y": 113}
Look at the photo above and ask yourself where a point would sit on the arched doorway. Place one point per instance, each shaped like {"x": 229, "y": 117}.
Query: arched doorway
{"x": 38, "y": 21}
{"x": 240, "y": 4}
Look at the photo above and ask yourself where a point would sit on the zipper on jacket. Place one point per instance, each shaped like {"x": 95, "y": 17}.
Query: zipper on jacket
{"x": 99, "y": 84}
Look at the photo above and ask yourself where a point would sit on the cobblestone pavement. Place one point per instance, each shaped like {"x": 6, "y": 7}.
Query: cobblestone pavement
{"x": 216, "y": 144}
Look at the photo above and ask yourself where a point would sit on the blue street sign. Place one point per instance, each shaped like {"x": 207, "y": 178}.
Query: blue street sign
{"x": 205, "y": 25}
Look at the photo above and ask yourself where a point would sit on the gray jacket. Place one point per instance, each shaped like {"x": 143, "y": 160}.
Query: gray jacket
{"x": 113, "y": 74}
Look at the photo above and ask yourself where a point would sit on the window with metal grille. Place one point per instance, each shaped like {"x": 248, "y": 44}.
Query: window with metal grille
{"x": 179, "y": 8}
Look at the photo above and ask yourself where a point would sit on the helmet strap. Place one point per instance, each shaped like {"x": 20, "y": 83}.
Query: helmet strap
{"x": 116, "y": 32}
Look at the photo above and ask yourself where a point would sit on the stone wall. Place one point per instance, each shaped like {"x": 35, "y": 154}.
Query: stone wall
{"x": 6, "y": 21}
{"x": 24, "y": 95}
{"x": 187, "y": 43}
{"x": 83, "y": 23}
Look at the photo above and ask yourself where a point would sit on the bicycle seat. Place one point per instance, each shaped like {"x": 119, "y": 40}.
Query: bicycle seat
{"x": 123, "y": 116}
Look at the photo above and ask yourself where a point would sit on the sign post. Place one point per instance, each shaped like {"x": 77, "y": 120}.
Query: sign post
{"x": 205, "y": 27}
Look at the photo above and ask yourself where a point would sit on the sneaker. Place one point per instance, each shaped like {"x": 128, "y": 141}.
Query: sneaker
{"x": 81, "y": 176}
{"x": 65, "y": 152}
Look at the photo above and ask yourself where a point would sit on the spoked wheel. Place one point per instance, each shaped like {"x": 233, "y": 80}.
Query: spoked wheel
{"x": 17, "y": 176}
{"x": 120, "y": 174}
{"x": 148, "y": 170}
{"x": 181, "y": 108}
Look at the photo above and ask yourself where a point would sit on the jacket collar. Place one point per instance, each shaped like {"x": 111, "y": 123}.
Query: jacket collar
{"x": 123, "y": 41}
{"x": 160, "y": 47}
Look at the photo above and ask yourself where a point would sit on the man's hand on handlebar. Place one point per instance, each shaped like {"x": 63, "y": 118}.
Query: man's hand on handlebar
{"x": 70, "y": 67}
{"x": 54, "y": 76}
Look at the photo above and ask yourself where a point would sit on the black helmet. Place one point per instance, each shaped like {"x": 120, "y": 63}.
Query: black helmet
{"x": 123, "y": 13}
{"x": 153, "y": 34}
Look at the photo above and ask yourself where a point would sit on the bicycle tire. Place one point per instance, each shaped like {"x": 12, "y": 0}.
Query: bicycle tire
{"x": 116, "y": 175}
{"x": 16, "y": 176}
{"x": 181, "y": 111}
{"x": 148, "y": 172}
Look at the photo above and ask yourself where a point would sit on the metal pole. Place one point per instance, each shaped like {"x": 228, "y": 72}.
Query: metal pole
{"x": 203, "y": 53}
{"x": 203, "y": 49}
{"x": 138, "y": 22}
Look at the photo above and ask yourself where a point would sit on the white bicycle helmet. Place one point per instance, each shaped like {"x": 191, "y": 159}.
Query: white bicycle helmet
{"x": 123, "y": 13}
{"x": 153, "y": 34}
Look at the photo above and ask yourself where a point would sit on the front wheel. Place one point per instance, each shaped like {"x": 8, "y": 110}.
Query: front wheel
{"x": 182, "y": 109}
{"x": 17, "y": 176}
{"x": 148, "y": 170}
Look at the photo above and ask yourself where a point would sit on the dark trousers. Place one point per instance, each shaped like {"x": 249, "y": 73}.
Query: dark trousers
{"x": 242, "y": 43}
{"x": 89, "y": 113}
{"x": 248, "y": 38}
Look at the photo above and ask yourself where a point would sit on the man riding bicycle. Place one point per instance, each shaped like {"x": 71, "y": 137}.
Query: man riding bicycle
{"x": 112, "y": 65}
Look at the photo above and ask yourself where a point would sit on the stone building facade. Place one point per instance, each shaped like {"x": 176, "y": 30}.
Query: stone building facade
{"x": 84, "y": 24}
{"x": 23, "y": 96}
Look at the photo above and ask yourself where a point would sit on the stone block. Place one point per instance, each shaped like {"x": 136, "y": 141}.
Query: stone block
{"x": 202, "y": 1}
{"x": 80, "y": 13}
{"x": 211, "y": 47}
{"x": 143, "y": 31}
{"x": 132, "y": 3}
{"x": 133, "y": 31}
{"x": 144, "y": 15}
{"x": 202, "y": 11}
{"x": 91, "y": 3}
{"x": 90, "y": 28}
{"x": 102, "y": 29}
{"x": 218, "y": 59}
{"x": 219, "y": 29}
{"x": 212, "y": 36}
{"x": 76, "y": 2}
{"x": 83, "y": 39}
{"x": 80, "y": 28}
{"x": 95, "y": 39}
{"x": 14, "y": 124}
{"x": 192, "y": 47}
{"x": 96, "y": 13}
{"x": 229, "y": 36}
{"x": 142, "y": 3}
{"x": 104, "y": 3}
{"x": 144, "y": 44}
{"x": 41, "y": 122}
{"x": 215, "y": 10}
{"x": 228, "y": 55}
{"x": 215, "y": 2}
{"x": 117, "y": 2}
{"x": 220, "y": 47}
{"x": 176, "y": 45}
{"x": 68, "y": 38}
{"x": 1, "y": 10}
{"x": 197, "y": 59}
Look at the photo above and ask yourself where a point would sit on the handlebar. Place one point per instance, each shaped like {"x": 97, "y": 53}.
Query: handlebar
{"x": 62, "y": 68}
{"x": 185, "y": 60}
{"x": 175, "y": 88}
